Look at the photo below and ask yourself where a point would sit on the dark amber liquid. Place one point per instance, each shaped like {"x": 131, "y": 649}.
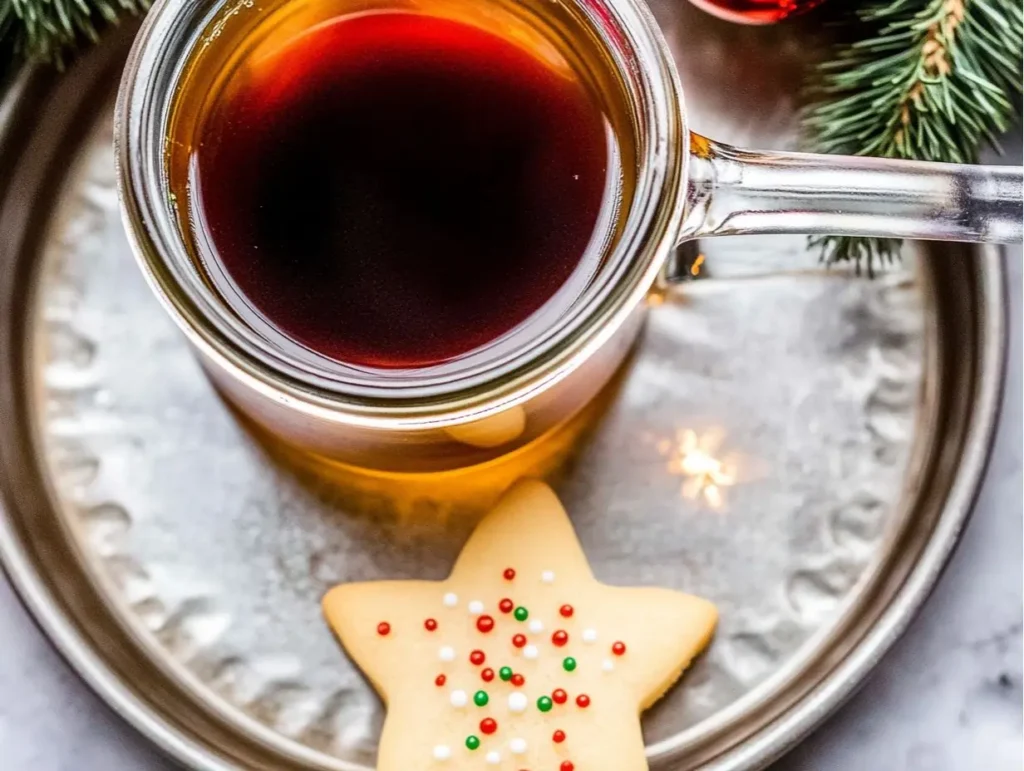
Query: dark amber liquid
{"x": 395, "y": 189}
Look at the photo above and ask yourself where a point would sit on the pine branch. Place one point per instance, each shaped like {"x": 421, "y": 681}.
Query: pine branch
{"x": 932, "y": 80}
{"x": 45, "y": 30}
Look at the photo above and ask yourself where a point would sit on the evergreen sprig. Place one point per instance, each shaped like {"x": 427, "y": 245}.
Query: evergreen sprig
{"x": 932, "y": 80}
{"x": 45, "y": 30}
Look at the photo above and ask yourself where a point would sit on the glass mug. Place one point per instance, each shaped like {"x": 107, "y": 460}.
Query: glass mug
{"x": 506, "y": 396}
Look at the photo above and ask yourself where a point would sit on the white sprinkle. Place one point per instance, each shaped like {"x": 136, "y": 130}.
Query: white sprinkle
{"x": 451, "y": 600}
{"x": 517, "y": 701}
{"x": 442, "y": 752}
{"x": 447, "y": 653}
{"x": 530, "y": 652}
{"x": 590, "y": 635}
{"x": 493, "y": 757}
{"x": 536, "y": 626}
{"x": 547, "y": 577}
{"x": 607, "y": 665}
{"x": 517, "y": 746}
{"x": 459, "y": 699}
{"x": 476, "y": 607}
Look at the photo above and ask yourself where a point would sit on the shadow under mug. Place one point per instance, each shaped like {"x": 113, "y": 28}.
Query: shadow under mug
{"x": 686, "y": 186}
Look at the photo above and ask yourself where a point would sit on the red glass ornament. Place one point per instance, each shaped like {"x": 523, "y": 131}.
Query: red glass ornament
{"x": 755, "y": 11}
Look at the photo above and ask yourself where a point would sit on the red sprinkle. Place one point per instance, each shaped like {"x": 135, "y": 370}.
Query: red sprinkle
{"x": 619, "y": 648}
{"x": 560, "y": 638}
{"x": 485, "y": 624}
{"x": 440, "y": 680}
{"x": 430, "y": 624}
{"x": 476, "y": 658}
{"x": 566, "y": 766}
{"x": 506, "y": 605}
{"x": 583, "y": 701}
{"x": 519, "y": 640}
{"x": 509, "y": 574}
{"x": 559, "y": 696}
{"x": 488, "y": 725}
{"x": 518, "y": 680}
{"x": 487, "y": 675}
{"x": 558, "y": 737}
{"x": 383, "y": 628}
{"x": 566, "y": 611}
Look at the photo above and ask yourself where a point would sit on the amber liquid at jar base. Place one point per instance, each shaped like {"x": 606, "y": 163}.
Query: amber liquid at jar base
{"x": 395, "y": 189}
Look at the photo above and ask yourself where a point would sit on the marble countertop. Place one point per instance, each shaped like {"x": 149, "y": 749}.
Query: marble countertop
{"x": 947, "y": 697}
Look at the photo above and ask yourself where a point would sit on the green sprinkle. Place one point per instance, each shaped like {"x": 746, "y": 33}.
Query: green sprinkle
{"x": 505, "y": 673}
{"x": 480, "y": 698}
{"x": 521, "y": 613}
{"x": 568, "y": 663}
{"x": 472, "y": 742}
{"x": 544, "y": 703}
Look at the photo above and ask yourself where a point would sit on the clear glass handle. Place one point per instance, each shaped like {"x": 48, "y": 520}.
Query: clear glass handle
{"x": 732, "y": 192}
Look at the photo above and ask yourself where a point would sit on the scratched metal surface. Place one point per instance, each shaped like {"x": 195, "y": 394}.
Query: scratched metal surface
{"x": 816, "y": 390}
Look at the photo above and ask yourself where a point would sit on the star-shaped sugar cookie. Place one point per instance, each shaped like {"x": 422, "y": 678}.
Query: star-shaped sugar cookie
{"x": 520, "y": 660}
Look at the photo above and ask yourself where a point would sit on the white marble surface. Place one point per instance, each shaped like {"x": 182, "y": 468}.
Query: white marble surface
{"x": 947, "y": 698}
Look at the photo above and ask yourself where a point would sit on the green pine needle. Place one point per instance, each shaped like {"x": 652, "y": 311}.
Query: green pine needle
{"x": 932, "y": 80}
{"x": 45, "y": 30}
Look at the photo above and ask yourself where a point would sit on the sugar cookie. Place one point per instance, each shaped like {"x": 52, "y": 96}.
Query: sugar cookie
{"x": 475, "y": 685}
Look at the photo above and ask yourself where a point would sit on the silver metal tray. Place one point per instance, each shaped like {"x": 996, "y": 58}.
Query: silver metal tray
{"x": 177, "y": 561}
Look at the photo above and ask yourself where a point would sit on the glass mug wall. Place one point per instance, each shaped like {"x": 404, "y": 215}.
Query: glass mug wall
{"x": 532, "y": 275}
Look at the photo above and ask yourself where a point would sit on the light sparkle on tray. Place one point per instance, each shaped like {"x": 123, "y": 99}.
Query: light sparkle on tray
{"x": 693, "y": 457}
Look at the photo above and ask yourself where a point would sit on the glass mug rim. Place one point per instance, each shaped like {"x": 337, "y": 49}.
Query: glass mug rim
{"x": 148, "y": 88}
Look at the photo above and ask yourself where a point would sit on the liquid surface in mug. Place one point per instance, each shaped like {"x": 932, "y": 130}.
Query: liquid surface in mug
{"x": 394, "y": 189}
